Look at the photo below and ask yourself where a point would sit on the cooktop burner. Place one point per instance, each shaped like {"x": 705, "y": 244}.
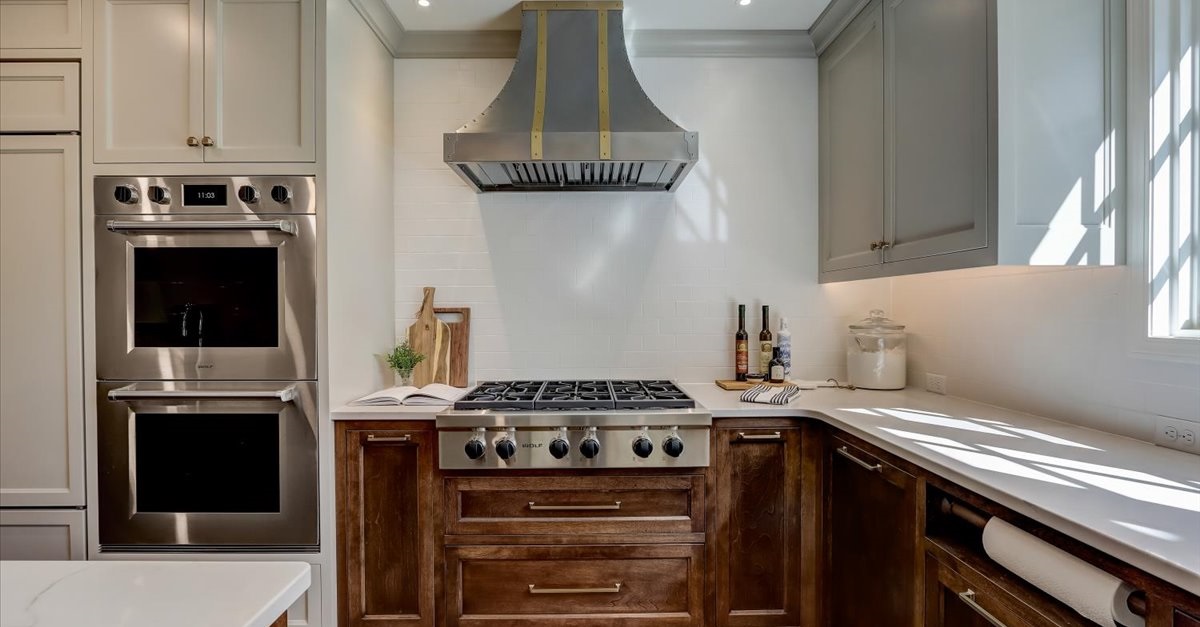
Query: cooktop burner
{"x": 589, "y": 395}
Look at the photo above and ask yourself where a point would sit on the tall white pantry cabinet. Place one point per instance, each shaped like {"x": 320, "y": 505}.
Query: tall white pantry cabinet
{"x": 41, "y": 362}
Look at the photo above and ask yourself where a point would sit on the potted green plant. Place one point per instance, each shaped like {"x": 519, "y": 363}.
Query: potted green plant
{"x": 403, "y": 359}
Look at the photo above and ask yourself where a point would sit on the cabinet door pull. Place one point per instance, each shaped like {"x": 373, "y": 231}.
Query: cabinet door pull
{"x": 371, "y": 437}
{"x": 968, "y": 597}
{"x": 572, "y": 508}
{"x": 192, "y": 141}
{"x": 615, "y": 589}
{"x": 844, "y": 452}
{"x": 207, "y": 141}
{"x": 759, "y": 436}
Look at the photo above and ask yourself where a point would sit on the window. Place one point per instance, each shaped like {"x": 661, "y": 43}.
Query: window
{"x": 1172, "y": 221}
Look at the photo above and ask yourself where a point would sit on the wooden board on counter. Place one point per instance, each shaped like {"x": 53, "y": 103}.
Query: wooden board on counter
{"x": 739, "y": 386}
{"x": 431, "y": 338}
{"x": 458, "y": 319}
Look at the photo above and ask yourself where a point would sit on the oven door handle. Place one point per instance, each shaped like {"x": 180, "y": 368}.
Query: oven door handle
{"x": 283, "y": 226}
{"x": 127, "y": 393}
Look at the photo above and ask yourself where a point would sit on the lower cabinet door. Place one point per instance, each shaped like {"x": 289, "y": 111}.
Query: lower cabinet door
{"x": 659, "y": 585}
{"x": 31, "y": 534}
{"x": 957, "y": 595}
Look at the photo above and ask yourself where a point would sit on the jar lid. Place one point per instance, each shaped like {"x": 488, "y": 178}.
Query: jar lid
{"x": 876, "y": 321}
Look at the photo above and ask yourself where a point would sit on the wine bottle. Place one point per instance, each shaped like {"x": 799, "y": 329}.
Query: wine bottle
{"x": 764, "y": 344}
{"x": 784, "y": 341}
{"x": 776, "y": 367}
{"x": 741, "y": 346}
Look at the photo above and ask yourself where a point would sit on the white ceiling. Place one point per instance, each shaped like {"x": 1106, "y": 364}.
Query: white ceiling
{"x": 667, "y": 14}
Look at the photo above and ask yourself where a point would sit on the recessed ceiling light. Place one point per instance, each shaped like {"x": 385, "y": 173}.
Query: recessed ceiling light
{"x": 743, "y": 3}
{"x": 425, "y": 3}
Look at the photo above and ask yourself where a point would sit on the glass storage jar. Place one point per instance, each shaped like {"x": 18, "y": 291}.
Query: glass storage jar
{"x": 877, "y": 353}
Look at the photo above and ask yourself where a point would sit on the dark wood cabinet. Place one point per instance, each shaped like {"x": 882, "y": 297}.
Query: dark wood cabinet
{"x": 873, "y": 535}
{"x": 387, "y": 508}
{"x": 951, "y": 600}
{"x": 755, "y": 542}
{"x": 1185, "y": 620}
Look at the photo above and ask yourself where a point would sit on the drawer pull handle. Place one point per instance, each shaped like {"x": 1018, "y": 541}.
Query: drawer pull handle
{"x": 844, "y": 452}
{"x": 968, "y": 598}
{"x": 763, "y": 436}
{"x": 615, "y": 589}
{"x": 572, "y": 508}
{"x": 371, "y": 437}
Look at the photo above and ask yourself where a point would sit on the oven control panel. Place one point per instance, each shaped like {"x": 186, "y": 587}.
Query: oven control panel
{"x": 491, "y": 448}
{"x": 124, "y": 195}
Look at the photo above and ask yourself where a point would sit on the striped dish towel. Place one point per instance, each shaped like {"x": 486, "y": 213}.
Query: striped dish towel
{"x": 771, "y": 395}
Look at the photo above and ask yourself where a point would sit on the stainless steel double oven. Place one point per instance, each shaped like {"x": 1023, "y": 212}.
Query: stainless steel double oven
{"x": 206, "y": 326}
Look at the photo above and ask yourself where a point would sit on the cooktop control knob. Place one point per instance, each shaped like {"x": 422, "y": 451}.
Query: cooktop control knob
{"x": 126, "y": 194}
{"x": 559, "y": 448}
{"x": 590, "y": 446}
{"x": 159, "y": 195}
{"x": 506, "y": 448}
{"x": 248, "y": 194}
{"x": 642, "y": 446}
{"x": 281, "y": 194}
{"x": 474, "y": 449}
{"x": 673, "y": 446}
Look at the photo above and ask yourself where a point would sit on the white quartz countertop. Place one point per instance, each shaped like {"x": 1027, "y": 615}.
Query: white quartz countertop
{"x": 148, "y": 594}
{"x": 1135, "y": 501}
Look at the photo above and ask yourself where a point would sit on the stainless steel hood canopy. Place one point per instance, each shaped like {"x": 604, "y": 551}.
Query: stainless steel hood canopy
{"x": 572, "y": 116}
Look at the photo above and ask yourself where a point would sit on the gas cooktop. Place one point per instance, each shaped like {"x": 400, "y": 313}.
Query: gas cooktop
{"x": 574, "y": 425}
{"x": 589, "y": 395}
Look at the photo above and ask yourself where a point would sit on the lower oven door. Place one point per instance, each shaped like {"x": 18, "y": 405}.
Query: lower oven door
{"x": 208, "y": 466}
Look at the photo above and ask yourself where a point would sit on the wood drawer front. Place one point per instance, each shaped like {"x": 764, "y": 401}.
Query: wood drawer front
{"x": 958, "y": 595}
{"x": 660, "y": 585}
{"x": 39, "y": 97}
{"x": 575, "y": 505}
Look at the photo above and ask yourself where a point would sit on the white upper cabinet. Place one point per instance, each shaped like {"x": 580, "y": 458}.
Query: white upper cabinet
{"x": 1001, "y": 124}
{"x": 183, "y": 81}
{"x": 41, "y": 403}
{"x": 258, "y": 77}
{"x": 41, "y": 24}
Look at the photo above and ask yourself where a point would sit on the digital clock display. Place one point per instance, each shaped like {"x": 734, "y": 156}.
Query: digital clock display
{"x": 205, "y": 195}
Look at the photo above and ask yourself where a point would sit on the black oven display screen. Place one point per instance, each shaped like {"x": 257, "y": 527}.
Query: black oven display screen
{"x": 208, "y": 463}
{"x": 215, "y": 297}
{"x": 205, "y": 195}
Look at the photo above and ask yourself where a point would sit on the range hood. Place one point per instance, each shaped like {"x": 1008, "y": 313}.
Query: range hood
{"x": 572, "y": 116}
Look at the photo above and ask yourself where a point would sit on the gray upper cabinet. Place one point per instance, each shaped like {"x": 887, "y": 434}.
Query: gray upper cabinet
{"x": 962, "y": 133}
{"x": 851, "y": 143}
{"x": 936, "y": 146}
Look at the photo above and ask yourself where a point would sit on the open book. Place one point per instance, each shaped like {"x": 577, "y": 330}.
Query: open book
{"x": 432, "y": 394}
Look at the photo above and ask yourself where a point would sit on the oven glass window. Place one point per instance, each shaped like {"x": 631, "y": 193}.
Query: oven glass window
{"x": 207, "y": 463}
{"x": 192, "y": 297}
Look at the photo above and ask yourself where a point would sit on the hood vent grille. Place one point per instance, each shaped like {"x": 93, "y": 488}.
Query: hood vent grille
{"x": 572, "y": 116}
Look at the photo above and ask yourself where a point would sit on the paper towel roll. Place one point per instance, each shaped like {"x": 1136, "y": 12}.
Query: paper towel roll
{"x": 1095, "y": 594}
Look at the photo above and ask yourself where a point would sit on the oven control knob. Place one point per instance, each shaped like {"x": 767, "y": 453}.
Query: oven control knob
{"x": 474, "y": 449}
{"x": 643, "y": 447}
{"x": 248, "y": 194}
{"x": 559, "y": 448}
{"x": 281, "y": 194}
{"x": 126, "y": 194}
{"x": 506, "y": 449}
{"x": 673, "y": 446}
{"x": 590, "y": 447}
{"x": 159, "y": 195}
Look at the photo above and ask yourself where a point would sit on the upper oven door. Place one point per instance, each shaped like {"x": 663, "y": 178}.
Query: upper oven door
{"x": 207, "y": 465}
{"x": 206, "y": 297}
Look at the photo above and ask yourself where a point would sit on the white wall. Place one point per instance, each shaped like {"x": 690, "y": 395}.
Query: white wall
{"x": 627, "y": 284}
{"x": 1053, "y": 342}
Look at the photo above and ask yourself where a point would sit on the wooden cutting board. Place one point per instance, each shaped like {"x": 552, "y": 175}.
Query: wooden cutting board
{"x": 458, "y": 319}
{"x": 730, "y": 384}
{"x": 430, "y": 337}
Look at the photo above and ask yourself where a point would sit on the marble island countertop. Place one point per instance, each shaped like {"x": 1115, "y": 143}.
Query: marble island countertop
{"x": 1135, "y": 501}
{"x": 148, "y": 594}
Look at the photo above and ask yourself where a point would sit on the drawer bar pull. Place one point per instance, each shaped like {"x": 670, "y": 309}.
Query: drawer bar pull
{"x": 844, "y": 452}
{"x": 764, "y": 436}
{"x": 968, "y": 598}
{"x": 371, "y": 437}
{"x": 571, "y": 508}
{"x": 615, "y": 589}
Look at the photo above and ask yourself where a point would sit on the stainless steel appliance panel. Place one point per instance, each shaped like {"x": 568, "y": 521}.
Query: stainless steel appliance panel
{"x": 208, "y": 466}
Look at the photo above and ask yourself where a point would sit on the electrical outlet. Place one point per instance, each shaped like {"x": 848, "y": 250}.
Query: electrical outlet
{"x": 935, "y": 383}
{"x": 1177, "y": 433}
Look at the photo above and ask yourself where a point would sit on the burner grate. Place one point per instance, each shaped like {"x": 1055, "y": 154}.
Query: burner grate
{"x": 582, "y": 395}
